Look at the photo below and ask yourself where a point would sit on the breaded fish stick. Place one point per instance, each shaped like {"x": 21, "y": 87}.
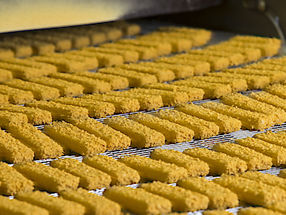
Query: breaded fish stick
{"x": 217, "y": 212}
{"x": 282, "y": 173}
{"x": 141, "y": 136}
{"x": 219, "y": 163}
{"x": 194, "y": 166}
{"x": 193, "y": 93}
{"x": 55, "y": 205}
{"x": 95, "y": 108}
{"x": 202, "y": 129}
{"x": 12, "y": 150}
{"x": 9, "y": 118}
{"x": 254, "y": 159}
{"x": 5, "y": 75}
{"x": 90, "y": 85}
{"x": 6, "y": 53}
{"x": 155, "y": 169}
{"x": 136, "y": 79}
{"x": 90, "y": 178}
{"x": 94, "y": 204}
{"x": 277, "y": 89}
{"x": 278, "y": 207}
{"x": 257, "y": 210}
{"x": 61, "y": 111}
{"x": 277, "y": 153}
{"x": 173, "y": 132}
{"x": 15, "y": 207}
{"x": 4, "y": 99}
{"x": 40, "y": 92}
{"x": 212, "y": 90}
{"x": 250, "y": 120}
{"x": 74, "y": 139}
{"x": 15, "y": 95}
{"x": 225, "y": 123}
{"x": 35, "y": 116}
{"x": 66, "y": 88}
{"x": 120, "y": 173}
{"x": 43, "y": 146}
{"x": 250, "y": 191}
{"x": 130, "y": 198}
{"x": 117, "y": 82}
{"x": 115, "y": 140}
{"x": 244, "y": 102}
{"x": 18, "y": 49}
{"x": 121, "y": 104}
{"x": 273, "y": 138}
{"x": 48, "y": 178}
{"x": 181, "y": 199}
{"x": 13, "y": 182}
{"x": 147, "y": 102}
{"x": 225, "y": 199}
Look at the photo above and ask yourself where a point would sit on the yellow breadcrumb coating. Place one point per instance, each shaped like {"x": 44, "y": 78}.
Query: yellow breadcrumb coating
{"x": 55, "y": 205}
{"x": 128, "y": 29}
{"x": 173, "y": 132}
{"x": 278, "y": 207}
{"x": 181, "y": 199}
{"x": 47, "y": 178}
{"x": 217, "y": 212}
{"x": 20, "y": 50}
{"x": 225, "y": 199}
{"x": 130, "y": 198}
{"x": 15, "y": 95}
{"x": 194, "y": 166}
{"x": 74, "y": 139}
{"x": 273, "y": 138}
{"x": 43, "y": 146}
{"x": 93, "y": 203}
{"x": 9, "y": 118}
{"x": 257, "y": 210}
{"x": 6, "y": 53}
{"x": 4, "y": 99}
{"x": 225, "y": 123}
{"x": 277, "y": 89}
{"x": 219, "y": 163}
{"x": 5, "y": 75}
{"x": 90, "y": 178}
{"x": 254, "y": 160}
{"x": 141, "y": 136}
{"x": 120, "y": 173}
{"x": 13, "y": 182}
{"x": 150, "y": 169}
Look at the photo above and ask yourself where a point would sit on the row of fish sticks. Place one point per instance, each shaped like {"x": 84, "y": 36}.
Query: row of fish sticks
{"x": 43, "y": 42}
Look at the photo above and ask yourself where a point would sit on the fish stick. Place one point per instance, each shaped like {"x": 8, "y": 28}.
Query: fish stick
{"x": 5, "y": 75}
{"x": 263, "y": 65}
{"x": 90, "y": 178}
{"x": 121, "y": 104}
{"x": 117, "y": 82}
{"x": 257, "y": 39}
{"x": 193, "y": 93}
{"x": 250, "y": 120}
{"x": 194, "y": 166}
{"x": 181, "y": 199}
{"x": 200, "y": 67}
{"x": 35, "y": 116}
{"x": 225, "y": 199}
{"x": 4, "y": 99}
{"x": 120, "y": 173}
{"x": 141, "y": 136}
{"x": 174, "y": 133}
{"x": 42, "y": 146}
{"x": 129, "y": 29}
{"x": 66, "y": 88}
{"x": 254, "y": 82}
{"x": 18, "y": 49}
{"x": 212, "y": 90}
{"x": 162, "y": 75}
{"x": 277, "y": 153}
{"x": 136, "y": 79}
{"x": 55, "y": 205}
{"x": 15, "y": 207}
{"x": 9, "y": 118}
{"x": 256, "y": 210}
{"x": 244, "y": 102}
{"x": 115, "y": 140}
{"x": 74, "y": 139}
{"x": 202, "y": 129}
{"x": 273, "y": 138}
{"x": 250, "y": 191}
{"x": 12, "y": 150}
{"x": 236, "y": 84}
{"x": 15, "y": 95}
{"x": 217, "y": 212}
{"x": 40, "y": 92}
{"x": 278, "y": 90}
{"x": 219, "y": 163}
{"x": 112, "y": 33}
{"x": 254, "y": 160}
{"x": 95, "y": 108}
{"x": 61, "y": 111}
{"x": 6, "y": 53}
{"x": 282, "y": 173}
{"x": 156, "y": 170}
{"x": 278, "y": 207}
{"x": 147, "y": 102}
{"x": 129, "y": 198}
{"x": 225, "y": 123}
{"x": 13, "y": 182}
{"x": 47, "y": 178}
{"x": 94, "y": 204}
